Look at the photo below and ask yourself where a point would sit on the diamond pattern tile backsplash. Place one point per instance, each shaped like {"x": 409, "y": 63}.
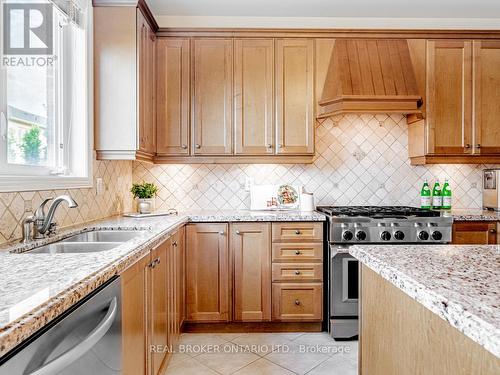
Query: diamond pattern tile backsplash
{"x": 117, "y": 178}
{"x": 359, "y": 160}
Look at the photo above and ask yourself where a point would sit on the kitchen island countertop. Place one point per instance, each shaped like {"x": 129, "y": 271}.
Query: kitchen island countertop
{"x": 461, "y": 284}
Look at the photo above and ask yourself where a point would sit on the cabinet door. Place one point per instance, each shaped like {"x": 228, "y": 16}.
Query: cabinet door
{"x": 474, "y": 233}
{"x": 212, "y": 96}
{"x": 449, "y": 95}
{"x": 159, "y": 337}
{"x": 253, "y": 96}
{"x": 487, "y": 96}
{"x": 207, "y": 273}
{"x": 181, "y": 272}
{"x": 146, "y": 86}
{"x": 172, "y": 126}
{"x": 251, "y": 248}
{"x": 134, "y": 283}
{"x": 295, "y": 96}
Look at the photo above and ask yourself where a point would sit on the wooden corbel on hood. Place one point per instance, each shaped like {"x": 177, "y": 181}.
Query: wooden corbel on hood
{"x": 370, "y": 76}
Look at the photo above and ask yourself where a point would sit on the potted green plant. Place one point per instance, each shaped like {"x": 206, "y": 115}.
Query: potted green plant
{"x": 145, "y": 193}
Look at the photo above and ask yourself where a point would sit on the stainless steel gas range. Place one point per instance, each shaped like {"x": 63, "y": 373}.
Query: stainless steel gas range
{"x": 357, "y": 225}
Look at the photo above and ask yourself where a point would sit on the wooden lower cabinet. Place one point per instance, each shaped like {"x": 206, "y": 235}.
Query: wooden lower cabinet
{"x": 399, "y": 336}
{"x": 151, "y": 314}
{"x": 251, "y": 254}
{"x": 160, "y": 305}
{"x": 474, "y": 233}
{"x": 297, "y": 302}
{"x": 135, "y": 290}
{"x": 207, "y": 273}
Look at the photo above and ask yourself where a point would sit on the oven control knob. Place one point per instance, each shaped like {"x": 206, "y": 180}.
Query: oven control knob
{"x": 385, "y": 235}
{"x": 437, "y": 235}
{"x": 361, "y": 235}
{"x": 423, "y": 235}
{"x": 400, "y": 236}
{"x": 347, "y": 235}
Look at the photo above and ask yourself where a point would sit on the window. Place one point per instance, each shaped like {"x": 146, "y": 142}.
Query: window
{"x": 45, "y": 123}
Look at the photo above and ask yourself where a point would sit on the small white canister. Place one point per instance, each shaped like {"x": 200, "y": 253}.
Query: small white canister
{"x": 307, "y": 202}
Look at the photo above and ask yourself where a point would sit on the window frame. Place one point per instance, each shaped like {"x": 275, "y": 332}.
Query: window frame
{"x": 14, "y": 181}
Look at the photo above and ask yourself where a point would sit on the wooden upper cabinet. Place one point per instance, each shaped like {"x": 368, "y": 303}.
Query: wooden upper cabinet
{"x": 254, "y": 96}
{"x": 487, "y": 96}
{"x": 449, "y": 95}
{"x": 295, "y": 96}
{"x": 212, "y": 96}
{"x": 146, "y": 83}
{"x": 173, "y": 96}
{"x": 207, "y": 272}
{"x": 251, "y": 248}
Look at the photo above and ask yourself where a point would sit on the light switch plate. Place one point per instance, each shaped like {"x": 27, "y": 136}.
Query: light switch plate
{"x": 99, "y": 186}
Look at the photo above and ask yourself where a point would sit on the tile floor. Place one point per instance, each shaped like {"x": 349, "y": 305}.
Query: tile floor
{"x": 263, "y": 354}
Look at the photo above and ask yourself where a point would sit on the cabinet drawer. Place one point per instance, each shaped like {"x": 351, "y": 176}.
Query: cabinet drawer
{"x": 306, "y": 232}
{"x": 297, "y": 302}
{"x": 298, "y": 252}
{"x": 292, "y": 272}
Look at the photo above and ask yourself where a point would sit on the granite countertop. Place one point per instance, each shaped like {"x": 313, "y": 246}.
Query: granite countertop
{"x": 248, "y": 215}
{"x": 461, "y": 284}
{"x": 36, "y": 288}
{"x": 473, "y": 215}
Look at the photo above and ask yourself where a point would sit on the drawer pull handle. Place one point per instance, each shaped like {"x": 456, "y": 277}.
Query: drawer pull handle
{"x": 298, "y": 252}
{"x": 297, "y": 231}
{"x": 467, "y": 145}
{"x": 297, "y": 302}
{"x": 493, "y": 231}
{"x": 478, "y": 145}
{"x": 297, "y": 272}
{"x": 174, "y": 243}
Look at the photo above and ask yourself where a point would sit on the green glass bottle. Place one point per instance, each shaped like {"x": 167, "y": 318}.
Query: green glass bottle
{"x": 446, "y": 195}
{"x": 437, "y": 196}
{"x": 425, "y": 196}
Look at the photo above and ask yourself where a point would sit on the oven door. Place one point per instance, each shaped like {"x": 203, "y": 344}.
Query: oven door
{"x": 344, "y": 285}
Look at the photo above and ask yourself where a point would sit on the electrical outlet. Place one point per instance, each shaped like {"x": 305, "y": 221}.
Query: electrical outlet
{"x": 28, "y": 205}
{"x": 473, "y": 185}
{"x": 99, "y": 186}
{"x": 248, "y": 183}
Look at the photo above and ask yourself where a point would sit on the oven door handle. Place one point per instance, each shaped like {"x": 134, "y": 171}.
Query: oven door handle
{"x": 71, "y": 355}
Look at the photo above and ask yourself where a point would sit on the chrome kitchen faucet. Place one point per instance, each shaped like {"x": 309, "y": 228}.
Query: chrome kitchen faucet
{"x": 39, "y": 225}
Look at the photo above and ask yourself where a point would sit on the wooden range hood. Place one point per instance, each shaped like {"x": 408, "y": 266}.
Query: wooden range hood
{"x": 370, "y": 76}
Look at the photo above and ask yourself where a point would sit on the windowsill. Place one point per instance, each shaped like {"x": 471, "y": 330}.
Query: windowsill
{"x": 31, "y": 183}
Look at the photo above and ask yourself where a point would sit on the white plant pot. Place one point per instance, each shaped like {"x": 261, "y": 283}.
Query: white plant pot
{"x": 145, "y": 205}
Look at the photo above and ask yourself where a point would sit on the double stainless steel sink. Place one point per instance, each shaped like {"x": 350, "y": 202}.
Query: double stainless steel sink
{"x": 88, "y": 242}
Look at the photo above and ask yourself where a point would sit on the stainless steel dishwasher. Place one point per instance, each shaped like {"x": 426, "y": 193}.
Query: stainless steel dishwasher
{"x": 85, "y": 340}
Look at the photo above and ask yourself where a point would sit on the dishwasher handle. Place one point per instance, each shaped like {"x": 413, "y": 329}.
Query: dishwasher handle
{"x": 71, "y": 355}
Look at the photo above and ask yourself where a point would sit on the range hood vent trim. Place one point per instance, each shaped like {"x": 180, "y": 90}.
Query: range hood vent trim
{"x": 370, "y": 76}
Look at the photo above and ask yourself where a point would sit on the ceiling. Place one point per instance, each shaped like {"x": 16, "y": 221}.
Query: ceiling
{"x": 329, "y": 8}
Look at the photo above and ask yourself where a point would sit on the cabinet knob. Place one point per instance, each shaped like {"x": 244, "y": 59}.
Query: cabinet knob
{"x": 197, "y": 145}
{"x": 467, "y": 145}
{"x": 297, "y": 302}
{"x": 238, "y": 232}
{"x": 297, "y": 231}
{"x": 493, "y": 231}
{"x": 298, "y": 252}
{"x": 269, "y": 146}
{"x": 280, "y": 145}
{"x": 221, "y": 232}
{"x": 478, "y": 145}
{"x": 184, "y": 146}
{"x": 174, "y": 243}
{"x": 297, "y": 272}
